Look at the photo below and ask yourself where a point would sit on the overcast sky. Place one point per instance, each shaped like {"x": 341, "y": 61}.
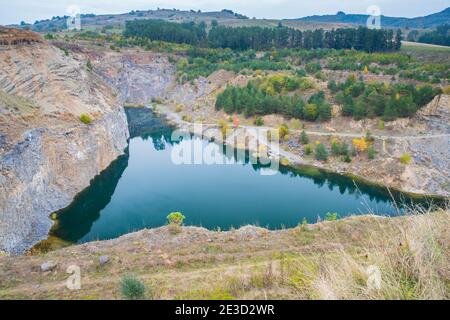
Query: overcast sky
{"x": 14, "y": 11}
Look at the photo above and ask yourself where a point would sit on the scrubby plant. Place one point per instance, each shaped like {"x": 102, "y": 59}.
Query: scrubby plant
{"x": 89, "y": 65}
{"x": 369, "y": 138}
{"x": 186, "y": 118}
{"x": 360, "y": 144}
{"x": 304, "y": 139}
{"x": 405, "y": 158}
{"x": 308, "y": 149}
{"x": 223, "y": 126}
{"x": 175, "y": 221}
{"x": 176, "y": 218}
{"x": 179, "y": 108}
{"x": 132, "y": 288}
{"x": 321, "y": 152}
{"x": 331, "y": 216}
{"x": 85, "y": 118}
{"x": 283, "y": 131}
{"x": 371, "y": 153}
{"x": 339, "y": 148}
{"x": 347, "y": 158}
{"x": 258, "y": 121}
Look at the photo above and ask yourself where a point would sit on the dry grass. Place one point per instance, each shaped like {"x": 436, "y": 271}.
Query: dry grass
{"x": 327, "y": 260}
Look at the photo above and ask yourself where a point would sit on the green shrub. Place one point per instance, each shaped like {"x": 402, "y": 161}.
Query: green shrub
{"x": 186, "y": 118}
{"x": 259, "y": 121}
{"x": 335, "y": 148}
{"x": 304, "y": 139}
{"x": 405, "y": 158}
{"x": 283, "y": 131}
{"x": 321, "y": 152}
{"x": 132, "y": 288}
{"x": 179, "y": 108}
{"x": 347, "y": 158}
{"x": 89, "y": 65}
{"x": 176, "y": 218}
{"x": 371, "y": 153}
{"x": 308, "y": 149}
{"x": 369, "y": 138}
{"x": 331, "y": 216}
{"x": 85, "y": 118}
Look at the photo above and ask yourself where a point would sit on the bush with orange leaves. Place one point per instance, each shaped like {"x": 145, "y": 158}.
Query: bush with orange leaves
{"x": 360, "y": 144}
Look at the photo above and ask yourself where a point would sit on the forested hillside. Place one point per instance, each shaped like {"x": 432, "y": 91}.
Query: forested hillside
{"x": 259, "y": 38}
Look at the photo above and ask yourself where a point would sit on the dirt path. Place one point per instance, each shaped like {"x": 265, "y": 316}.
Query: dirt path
{"x": 177, "y": 119}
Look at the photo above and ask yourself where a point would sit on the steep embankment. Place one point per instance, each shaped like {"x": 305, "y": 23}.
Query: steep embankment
{"x": 47, "y": 155}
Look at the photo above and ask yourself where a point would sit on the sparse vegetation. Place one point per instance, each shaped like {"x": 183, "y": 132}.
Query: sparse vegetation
{"x": 258, "y": 121}
{"x": 308, "y": 149}
{"x": 85, "y": 118}
{"x": 89, "y": 65}
{"x": 331, "y": 216}
{"x": 176, "y": 218}
{"x": 409, "y": 251}
{"x": 405, "y": 158}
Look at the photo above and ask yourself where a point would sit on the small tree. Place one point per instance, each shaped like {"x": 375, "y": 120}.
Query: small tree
{"x": 369, "y": 138}
{"x": 321, "y": 152}
{"x": 335, "y": 148}
{"x": 85, "y": 118}
{"x": 89, "y": 65}
{"x": 179, "y": 107}
{"x": 223, "y": 125}
{"x": 331, "y": 216}
{"x": 283, "y": 131}
{"x": 360, "y": 144}
{"x": 405, "y": 158}
{"x": 259, "y": 121}
{"x": 308, "y": 149}
{"x": 347, "y": 158}
{"x": 176, "y": 218}
{"x": 132, "y": 288}
{"x": 371, "y": 153}
{"x": 304, "y": 139}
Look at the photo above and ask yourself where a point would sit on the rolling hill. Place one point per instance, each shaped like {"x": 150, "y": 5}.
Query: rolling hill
{"x": 426, "y": 22}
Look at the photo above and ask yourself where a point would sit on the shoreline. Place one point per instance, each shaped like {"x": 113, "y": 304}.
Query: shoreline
{"x": 296, "y": 162}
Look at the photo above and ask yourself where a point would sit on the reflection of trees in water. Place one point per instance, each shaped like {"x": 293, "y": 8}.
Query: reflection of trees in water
{"x": 346, "y": 184}
{"x": 75, "y": 221}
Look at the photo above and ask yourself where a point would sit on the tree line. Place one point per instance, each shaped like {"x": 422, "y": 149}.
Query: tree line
{"x": 255, "y": 100}
{"x": 441, "y": 36}
{"x": 263, "y": 38}
{"x": 389, "y": 101}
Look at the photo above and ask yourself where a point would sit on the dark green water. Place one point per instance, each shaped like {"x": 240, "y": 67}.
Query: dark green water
{"x": 140, "y": 188}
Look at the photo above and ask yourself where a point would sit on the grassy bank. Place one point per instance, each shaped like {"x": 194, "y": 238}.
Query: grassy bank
{"x": 326, "y": 260}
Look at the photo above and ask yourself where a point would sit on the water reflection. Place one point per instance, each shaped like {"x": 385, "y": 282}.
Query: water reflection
{"x": 142, "y": 186}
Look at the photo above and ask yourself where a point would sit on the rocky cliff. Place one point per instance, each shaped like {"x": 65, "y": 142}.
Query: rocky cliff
{"x": 47, "y": 155}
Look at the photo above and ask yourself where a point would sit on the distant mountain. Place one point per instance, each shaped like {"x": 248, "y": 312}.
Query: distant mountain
{"x": 430, "y": 21}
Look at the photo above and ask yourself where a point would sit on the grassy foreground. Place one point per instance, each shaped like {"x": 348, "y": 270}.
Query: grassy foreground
{"x": 326, "y": 260}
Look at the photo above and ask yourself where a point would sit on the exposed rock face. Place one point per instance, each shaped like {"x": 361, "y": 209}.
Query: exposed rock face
{"x": 17, "y": 36}
{"x": 47, "y": 155}
{"x": 138, "y": 77}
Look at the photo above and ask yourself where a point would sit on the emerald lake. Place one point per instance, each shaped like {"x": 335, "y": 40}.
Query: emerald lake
{"x": 143, "y": 186}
